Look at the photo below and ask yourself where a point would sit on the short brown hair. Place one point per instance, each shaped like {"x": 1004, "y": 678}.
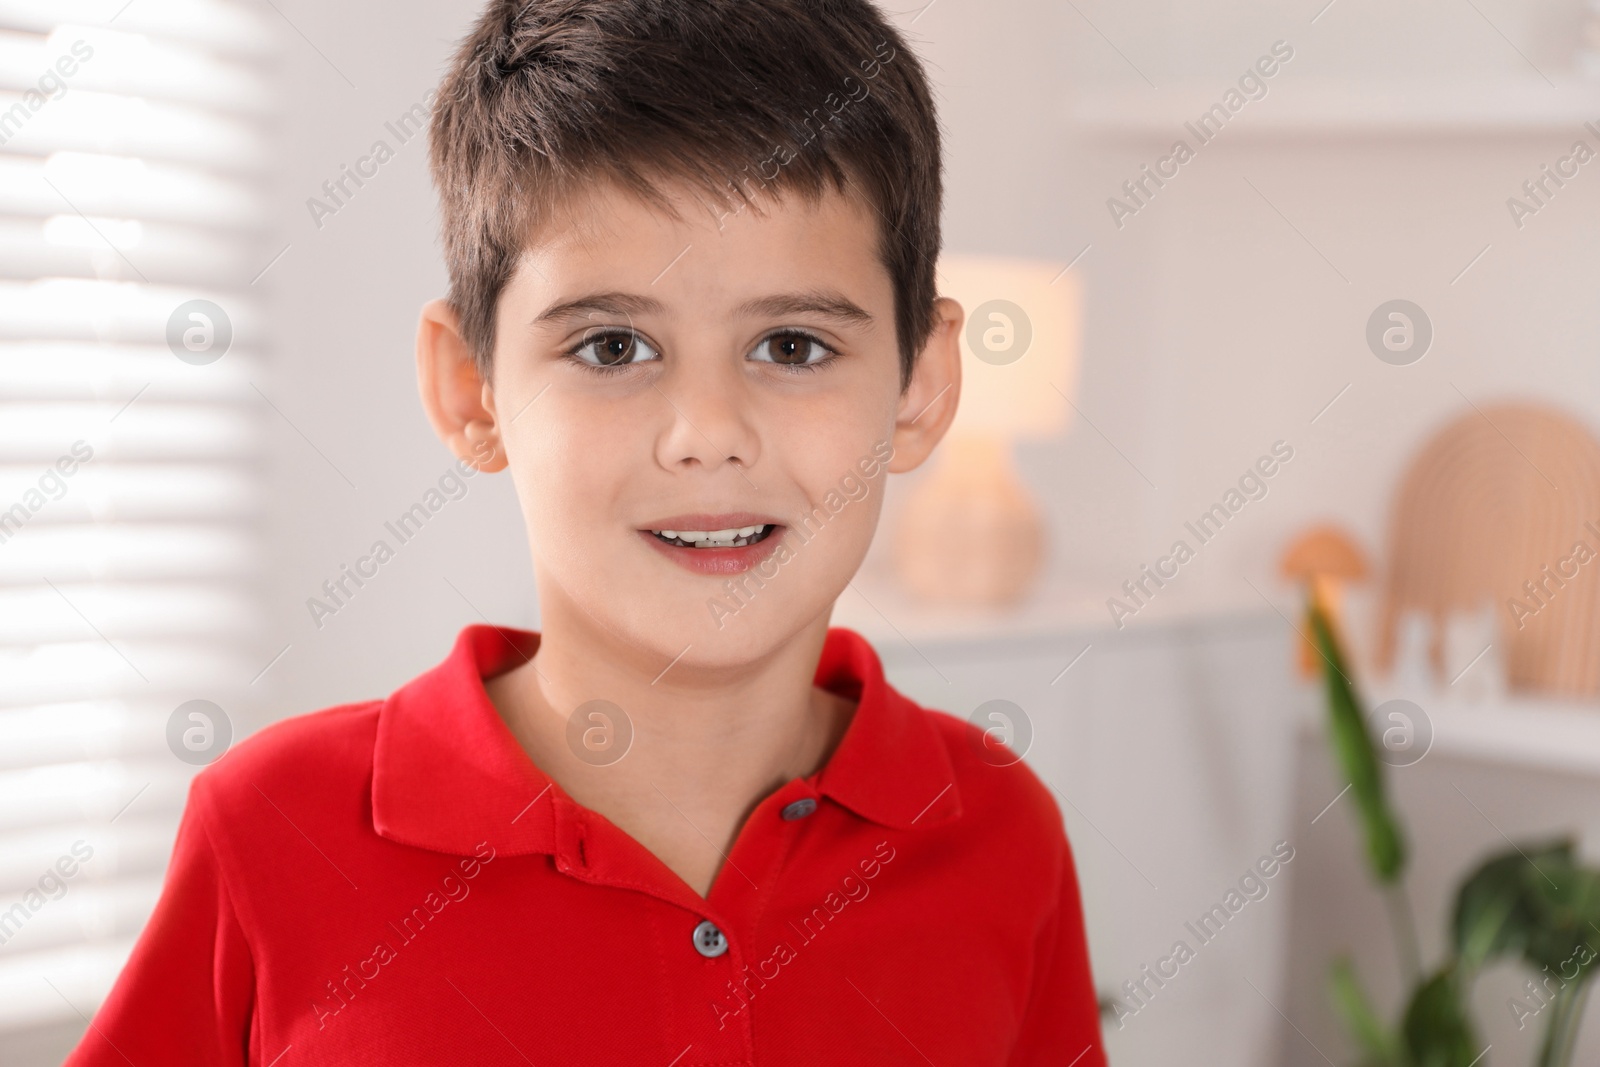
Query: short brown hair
{"x": 739, "y": 97}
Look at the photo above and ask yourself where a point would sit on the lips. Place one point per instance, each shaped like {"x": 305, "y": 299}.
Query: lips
{"x": 715, "y": 543}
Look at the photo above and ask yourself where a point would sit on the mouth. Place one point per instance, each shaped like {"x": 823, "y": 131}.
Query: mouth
{"x": 733, "y": 537}
{"x": 716, "y": 545}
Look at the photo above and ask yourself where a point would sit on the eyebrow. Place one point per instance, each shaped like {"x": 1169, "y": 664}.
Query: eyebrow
{"x": 603, "y": 303}
{"x": 816, "y": 302}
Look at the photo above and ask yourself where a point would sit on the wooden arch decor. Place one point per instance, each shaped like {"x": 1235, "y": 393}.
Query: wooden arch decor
{"x": 1503, "y": 505}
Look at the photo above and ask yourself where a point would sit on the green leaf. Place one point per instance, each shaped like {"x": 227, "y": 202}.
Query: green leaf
{"x": 1356, "y": 755}
{"x": 1567, "y": 904}
{"x": 1497, "y": 911}
{"x": 1379, "y": 1046}
{"x": 1534, "y": 901}
{"x": 1436, "y": 1029}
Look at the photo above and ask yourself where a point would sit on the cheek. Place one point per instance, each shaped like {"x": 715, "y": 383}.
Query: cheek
{"x": 570, "y": 467}
{"x": 828, "y": 551}
{"x": 823, "y": 446}
{"x": 844, "y": 504}
{"x": 859, "y": 522}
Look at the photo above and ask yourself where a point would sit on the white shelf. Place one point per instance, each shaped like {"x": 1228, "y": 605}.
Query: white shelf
{"x": 881, "y": 611}
{"x": 1522, "y": 731}
{"x": 1304, "y": 107}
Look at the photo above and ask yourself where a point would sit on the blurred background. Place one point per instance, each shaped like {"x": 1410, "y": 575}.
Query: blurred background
{"x": 1343, "y": 340}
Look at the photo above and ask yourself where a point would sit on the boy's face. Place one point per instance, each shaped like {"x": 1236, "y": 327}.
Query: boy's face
{"x": 659, "y": 371}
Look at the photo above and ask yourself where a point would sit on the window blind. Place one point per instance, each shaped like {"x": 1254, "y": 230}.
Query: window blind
{"x": 132, "y": 140}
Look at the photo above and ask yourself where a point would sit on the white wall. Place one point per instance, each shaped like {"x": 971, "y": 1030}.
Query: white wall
{"x": 1212, "y": 328}
{"x": 348, "y": 295}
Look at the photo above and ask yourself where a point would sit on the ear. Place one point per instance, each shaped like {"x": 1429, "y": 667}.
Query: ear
{"x": 928, "y": 405}
{"x": 459, "y": 402}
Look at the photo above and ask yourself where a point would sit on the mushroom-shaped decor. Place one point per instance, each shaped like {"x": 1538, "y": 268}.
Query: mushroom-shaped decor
{"x": 1323, "y": 559}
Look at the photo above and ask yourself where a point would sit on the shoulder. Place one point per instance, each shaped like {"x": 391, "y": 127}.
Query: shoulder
{"x": 1007, "y": 837}
{"x": 998, "y": 790}
{"x": 975, "y": 781}
{"x": 304, "y": 756}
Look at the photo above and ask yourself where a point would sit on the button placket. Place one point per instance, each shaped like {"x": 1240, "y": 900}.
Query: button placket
{"x": 702, "y": 1007}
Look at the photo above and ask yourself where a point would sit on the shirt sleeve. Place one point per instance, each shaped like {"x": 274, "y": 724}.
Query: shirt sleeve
{"x": 187, "y": 992}
{"x": 1062, "y": 1024}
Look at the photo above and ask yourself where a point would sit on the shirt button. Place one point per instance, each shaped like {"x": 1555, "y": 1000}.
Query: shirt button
{"x": 709, "y": 941}
{"x": 799, "y": 809}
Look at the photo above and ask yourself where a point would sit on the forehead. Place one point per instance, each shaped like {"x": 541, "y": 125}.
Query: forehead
{"x": 684, "y": 243}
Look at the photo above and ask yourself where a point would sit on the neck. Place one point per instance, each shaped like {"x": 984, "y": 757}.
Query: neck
{"x": 709, "y": 741}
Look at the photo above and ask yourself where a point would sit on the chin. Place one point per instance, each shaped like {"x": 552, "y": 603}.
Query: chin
{"x": 720, "y": 640}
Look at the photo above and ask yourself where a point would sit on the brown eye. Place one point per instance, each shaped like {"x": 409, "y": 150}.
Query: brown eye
{"x": 791, "y": 349}
{"x": 614, "y": 349}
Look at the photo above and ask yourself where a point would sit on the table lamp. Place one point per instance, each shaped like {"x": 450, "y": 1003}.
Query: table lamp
{"x": 970, "y": 532}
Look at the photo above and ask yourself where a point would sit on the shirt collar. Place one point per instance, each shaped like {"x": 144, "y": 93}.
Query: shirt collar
{"x": 449, "y": 775}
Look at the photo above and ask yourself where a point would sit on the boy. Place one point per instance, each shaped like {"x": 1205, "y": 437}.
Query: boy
{"x": 692, "y": 311}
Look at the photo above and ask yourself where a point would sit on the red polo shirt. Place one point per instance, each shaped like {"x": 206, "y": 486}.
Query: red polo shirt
{"x": 397, "y": 883}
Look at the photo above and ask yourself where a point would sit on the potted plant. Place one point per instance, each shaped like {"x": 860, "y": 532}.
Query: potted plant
{"x": 1533, "y": 902}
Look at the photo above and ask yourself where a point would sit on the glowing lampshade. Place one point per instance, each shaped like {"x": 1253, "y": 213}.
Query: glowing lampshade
{"x": 971, "y": 532}
{"x": 1019, "y": 345}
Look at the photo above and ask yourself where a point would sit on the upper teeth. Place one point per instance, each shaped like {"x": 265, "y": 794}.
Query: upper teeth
{"x": 712, "y": 535}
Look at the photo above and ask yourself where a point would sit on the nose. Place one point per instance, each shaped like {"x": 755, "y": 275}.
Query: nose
{"x": 709, "y": 423}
